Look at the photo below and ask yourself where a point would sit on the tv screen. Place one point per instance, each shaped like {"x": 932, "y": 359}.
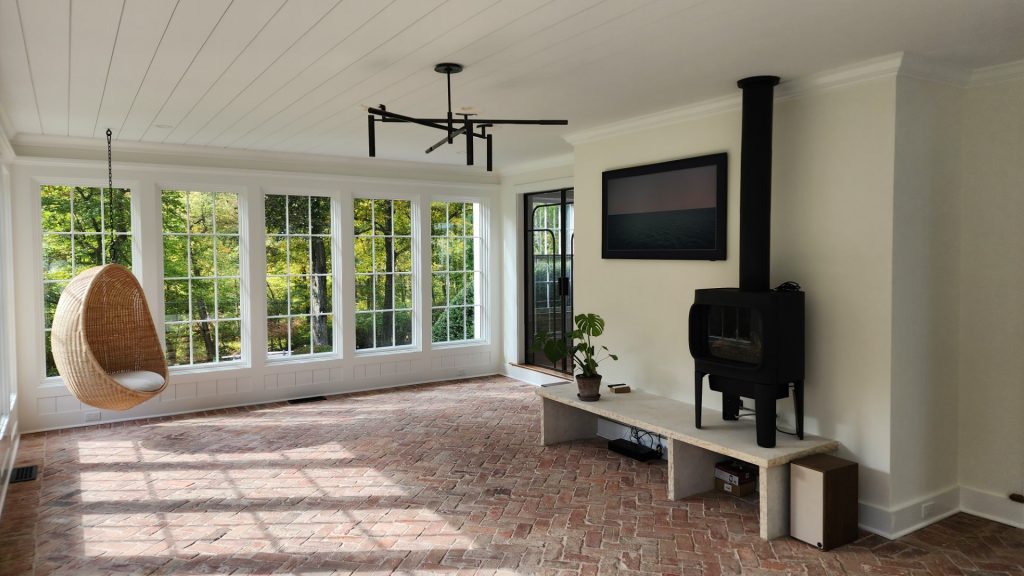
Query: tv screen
{"x": 672, "y": 210}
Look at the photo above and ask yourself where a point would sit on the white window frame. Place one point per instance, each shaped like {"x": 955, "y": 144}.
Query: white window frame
{"x": 415, "y": 236}
{"x": 245, "y": 329}
{"x": 336, "y": 275}
{"x": 39, "y": 285}
{"x": 480, "y": 277}
{"x": 8, "y": 389}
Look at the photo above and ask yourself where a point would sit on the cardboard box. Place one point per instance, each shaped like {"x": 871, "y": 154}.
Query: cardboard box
{"x": 736, "y": 489}
{"x": 735, "y": 472}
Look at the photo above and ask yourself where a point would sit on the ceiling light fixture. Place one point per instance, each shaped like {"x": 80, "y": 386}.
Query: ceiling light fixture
{"x": 467, "y": 126}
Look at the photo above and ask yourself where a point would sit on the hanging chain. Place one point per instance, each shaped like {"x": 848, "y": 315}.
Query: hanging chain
{"x": 110, "y": 164}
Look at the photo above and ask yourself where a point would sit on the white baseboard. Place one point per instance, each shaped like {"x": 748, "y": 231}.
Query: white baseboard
{"x": 996, "y": 507}
{"x": 528, "y": 376}
{"x": 7, "y": 463}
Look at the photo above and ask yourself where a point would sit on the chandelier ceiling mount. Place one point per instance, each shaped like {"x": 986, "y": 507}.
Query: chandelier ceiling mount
{"x": 454, "y": 124}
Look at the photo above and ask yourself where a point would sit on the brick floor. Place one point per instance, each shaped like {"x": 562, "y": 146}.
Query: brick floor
{"x": 435, "y": 479}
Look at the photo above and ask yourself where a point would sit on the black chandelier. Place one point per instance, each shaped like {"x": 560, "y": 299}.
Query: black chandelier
{"x": 471, "y": 128}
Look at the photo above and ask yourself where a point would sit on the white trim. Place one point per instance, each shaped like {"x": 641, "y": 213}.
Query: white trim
{"x": 884, "y": 67}
{"x": 7, "y": 464}
{"x": 657, "y": 119}
{"x": 901, "y": 520}
{"x": 995, "y": 507}
{"x": 329, "y": 389}
{"x": 998, "y": 74}
{"x": 164, "y": 155}
{"x": 7, "y": 132}
{"x": 6, "y": 150}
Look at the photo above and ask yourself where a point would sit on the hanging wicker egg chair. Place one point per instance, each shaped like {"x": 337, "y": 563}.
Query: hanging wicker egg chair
{"x": 104, "y": 342}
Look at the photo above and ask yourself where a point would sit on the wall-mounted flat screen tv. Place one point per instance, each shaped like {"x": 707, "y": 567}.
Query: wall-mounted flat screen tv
{"x": 672, "y": 210}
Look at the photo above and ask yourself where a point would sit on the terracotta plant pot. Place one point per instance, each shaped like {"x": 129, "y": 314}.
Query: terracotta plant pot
{"x": 590, "y": 387}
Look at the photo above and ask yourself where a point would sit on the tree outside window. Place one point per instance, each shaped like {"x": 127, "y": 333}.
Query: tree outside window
{"x": 455, "y": 272}
{"x": 82, "y": 227}
{"x": 299, "y": 280}
{"x": 202, "y": 282}
{"x": 383, "y": 273}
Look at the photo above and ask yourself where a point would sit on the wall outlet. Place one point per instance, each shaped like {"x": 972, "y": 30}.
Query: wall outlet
{"x": 94, "y": 416}
{"x": 926, "y": 509}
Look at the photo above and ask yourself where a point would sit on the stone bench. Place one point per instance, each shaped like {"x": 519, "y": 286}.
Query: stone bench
{"x": 692, "y": 453}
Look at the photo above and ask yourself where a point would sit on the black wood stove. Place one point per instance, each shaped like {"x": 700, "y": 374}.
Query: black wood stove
{"x": 749, "y": 341}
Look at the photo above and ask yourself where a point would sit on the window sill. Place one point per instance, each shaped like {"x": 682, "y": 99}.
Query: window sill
{"x": 440, "y": 346}
{"x": 303, "y": 359}
{"x": 199, "y": 369}
{"x": 394, "y": 350}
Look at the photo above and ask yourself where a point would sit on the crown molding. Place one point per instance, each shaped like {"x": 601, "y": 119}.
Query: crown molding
{"x": 549, "y": 163}
{"x": 884, "y": 67}
{"x": 656, "y": 119}
{"x": 35, "y": 146}
{"x": 998, "y": 74}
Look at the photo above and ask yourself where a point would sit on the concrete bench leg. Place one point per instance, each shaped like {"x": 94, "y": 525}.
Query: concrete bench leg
{"x": 563, "y": 423}
{"x": 691, "y": 470}
{"x": 773, "y": 484}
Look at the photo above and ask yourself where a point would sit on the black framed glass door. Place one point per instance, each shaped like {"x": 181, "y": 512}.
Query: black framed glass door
{"x": 548, "y": 273}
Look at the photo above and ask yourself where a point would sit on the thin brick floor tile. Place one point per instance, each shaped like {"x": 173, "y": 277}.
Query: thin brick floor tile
{"x": 445, "y": 478}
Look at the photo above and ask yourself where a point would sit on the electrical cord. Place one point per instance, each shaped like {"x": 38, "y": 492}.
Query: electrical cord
{"x": 653, "y": 440}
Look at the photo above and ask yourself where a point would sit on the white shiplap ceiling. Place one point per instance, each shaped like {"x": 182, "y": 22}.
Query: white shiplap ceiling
{"x": 295, "y": 75}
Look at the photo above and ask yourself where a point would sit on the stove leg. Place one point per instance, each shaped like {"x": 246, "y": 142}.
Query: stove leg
{"x": 765, "y": 417}
{"x": 698, "y": 392}
{"x": 798, "y": 404}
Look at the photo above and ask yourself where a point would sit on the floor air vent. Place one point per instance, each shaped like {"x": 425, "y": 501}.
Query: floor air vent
{"x": 307, "y": 400}
{"x": 24, "y": 474}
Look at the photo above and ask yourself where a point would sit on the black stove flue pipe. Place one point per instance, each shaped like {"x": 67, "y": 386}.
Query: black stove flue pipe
{"x": 756, "y": 182}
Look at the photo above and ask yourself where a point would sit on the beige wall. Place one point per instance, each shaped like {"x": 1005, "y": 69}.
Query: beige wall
{"x": 926, "y": 288}
{"x": 992, "y": 305}
{"x": 832, "y": 232}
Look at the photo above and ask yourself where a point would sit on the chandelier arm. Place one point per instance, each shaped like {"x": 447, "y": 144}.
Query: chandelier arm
{"x": 469, "y": 143}
{"x": 480, "y": 121}
{"x": 490, "y": 162}
{"x": 389, "y": 116}
{"x": 444, "y": 140}
{"x": 373, "y": 136}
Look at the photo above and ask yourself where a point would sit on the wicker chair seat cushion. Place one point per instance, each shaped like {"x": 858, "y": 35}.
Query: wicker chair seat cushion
{"x": 139, "y": 380}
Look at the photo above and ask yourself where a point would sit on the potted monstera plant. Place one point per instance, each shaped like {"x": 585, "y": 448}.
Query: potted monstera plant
{"x": 585, "y": 356}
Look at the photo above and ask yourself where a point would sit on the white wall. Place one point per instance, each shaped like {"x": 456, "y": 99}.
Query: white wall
{"x": 832, "y": 222}
{"x": 513, "y": 186}
{"x": 47, "y": 404}
{"x": 832, "y": 232}
{"x": 926, "y": 291}
{"x": 8, "y": 389}
{"x": 992, "y": 304}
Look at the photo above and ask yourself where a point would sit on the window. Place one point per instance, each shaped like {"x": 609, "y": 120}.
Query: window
{"x": 383, "y": 261}
{"x": 82, "y": 227}
{"x": 455, "y": 277}
{"x": 202, "y": 283}
{"x": 299, "y": 283}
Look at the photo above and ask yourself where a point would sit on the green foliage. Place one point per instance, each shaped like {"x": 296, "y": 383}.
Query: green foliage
{"x": 584, "y": 354}
{"x": 82, "y": 227}
{"x": 454, "y": 275}
{"x": 299, "y": 285}
{"x": 202, "y": 287}
{"x": 383, "y": 265}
